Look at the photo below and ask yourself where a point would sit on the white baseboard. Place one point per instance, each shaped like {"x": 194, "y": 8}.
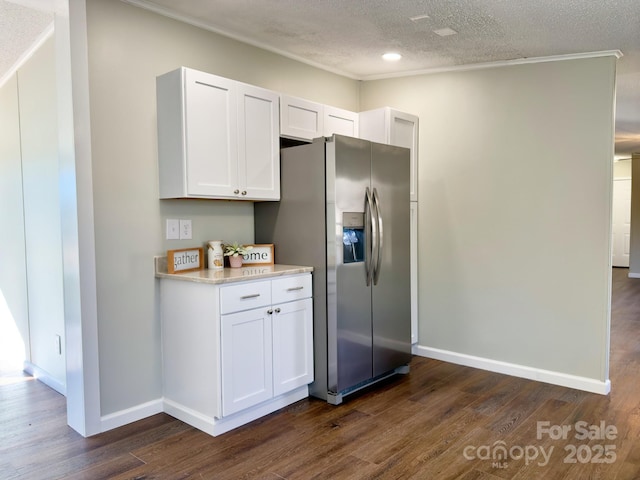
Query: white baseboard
{"x": 218, "y": 426}
{"x": 45, "y": 377}
{"x": 634, "y": 275}
{"x": 547, "y": 376}
{"x": 212, "y": 426}
{"x": 129, "y": 415}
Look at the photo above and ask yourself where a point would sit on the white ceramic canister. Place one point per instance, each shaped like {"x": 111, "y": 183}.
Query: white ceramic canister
{"x": 215, "y": 255}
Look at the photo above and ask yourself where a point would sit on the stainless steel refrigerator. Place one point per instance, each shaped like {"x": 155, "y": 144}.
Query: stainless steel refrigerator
{"x": 344, "y": 210}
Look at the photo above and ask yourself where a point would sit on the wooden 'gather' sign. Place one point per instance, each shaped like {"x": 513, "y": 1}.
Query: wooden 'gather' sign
{"x": 185, "y": 260}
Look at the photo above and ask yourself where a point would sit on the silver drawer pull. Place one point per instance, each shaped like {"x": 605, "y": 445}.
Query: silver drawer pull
{"x": 246, "y": 297}
{"x": 293, "y": 289}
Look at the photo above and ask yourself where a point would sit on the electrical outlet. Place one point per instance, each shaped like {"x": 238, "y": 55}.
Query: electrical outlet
{"x": 173, "y": 229}
{"x": 57, "y": 340}
{"x": 185, "y": 229}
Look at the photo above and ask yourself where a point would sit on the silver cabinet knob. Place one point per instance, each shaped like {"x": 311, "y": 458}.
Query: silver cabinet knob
{"x": 236, "y": 191}
{"x": 270, "y": 312}
{"x": 277, "y": 310}
{"x": 244, "y": 192}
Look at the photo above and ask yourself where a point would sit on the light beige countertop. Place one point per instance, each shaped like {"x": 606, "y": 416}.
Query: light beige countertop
{"x": 228, "y": 275}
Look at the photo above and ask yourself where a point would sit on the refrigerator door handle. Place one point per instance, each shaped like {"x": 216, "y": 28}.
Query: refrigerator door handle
{"x": 378, "y": 261}
{"x": 371, "y": 236}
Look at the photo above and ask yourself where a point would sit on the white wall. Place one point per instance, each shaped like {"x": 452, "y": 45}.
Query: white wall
{"x": 634, "y": 248}
{"x": 128, "y": 48}
{"x": 622, "y": 169}
{"x": 514, "y": 223}
{"x": 31, "y": 274}
{"x": 14, "y": 313}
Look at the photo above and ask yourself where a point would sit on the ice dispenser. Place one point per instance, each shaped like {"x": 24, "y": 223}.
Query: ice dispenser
{"x": 353, "y": 239}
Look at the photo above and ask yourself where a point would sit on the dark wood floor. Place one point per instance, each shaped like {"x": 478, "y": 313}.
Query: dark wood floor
{"x": 439, "y": 422}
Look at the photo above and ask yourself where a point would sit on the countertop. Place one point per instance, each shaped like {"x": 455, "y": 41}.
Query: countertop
{"x": 228, "y": 275}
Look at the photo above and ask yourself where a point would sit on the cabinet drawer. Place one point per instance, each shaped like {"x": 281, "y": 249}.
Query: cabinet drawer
{"x": 236, "y": 298}
{"x": 291, "y": 288}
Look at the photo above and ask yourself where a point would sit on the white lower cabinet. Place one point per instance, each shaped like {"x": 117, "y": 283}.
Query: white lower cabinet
{"x": 235, "y": 352}
{"x": 265, "y": 352}
{"x": 292, "y": 346}
{"x": 247, "y": 367}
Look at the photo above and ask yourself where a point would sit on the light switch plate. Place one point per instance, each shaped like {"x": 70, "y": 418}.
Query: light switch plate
{"x": 173, "y": 229}
{"x": 185, "y": 229}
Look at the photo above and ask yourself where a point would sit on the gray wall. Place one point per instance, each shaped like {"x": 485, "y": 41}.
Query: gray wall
{"x": 128, "y": 48}
{"x": 515, "y": 191}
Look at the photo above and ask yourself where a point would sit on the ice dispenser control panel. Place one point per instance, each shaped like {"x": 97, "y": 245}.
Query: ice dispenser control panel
{"x": 353, "y": 237}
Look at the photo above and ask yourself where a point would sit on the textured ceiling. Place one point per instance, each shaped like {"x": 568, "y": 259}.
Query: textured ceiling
{"x": 20, "y": 27}
{"x": 349, "y": 36}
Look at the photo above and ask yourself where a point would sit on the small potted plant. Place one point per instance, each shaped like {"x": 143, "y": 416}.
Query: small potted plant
{"x": 235, "y": 253}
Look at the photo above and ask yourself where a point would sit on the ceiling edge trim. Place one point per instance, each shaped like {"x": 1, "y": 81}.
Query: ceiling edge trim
{"x": 502, "y": 63}
{"x": 43, "y": 37}
{"x": 166, "y": 12}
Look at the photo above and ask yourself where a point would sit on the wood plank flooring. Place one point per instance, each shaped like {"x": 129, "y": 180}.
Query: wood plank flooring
{"x": 442, "y": 421}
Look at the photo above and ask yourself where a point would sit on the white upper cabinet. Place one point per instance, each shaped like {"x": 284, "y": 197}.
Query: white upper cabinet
{"x": 258, "y": 142}
{"x": 301, "y": 119}
{"x": 342, "y": 122}
{"x": 386, "y": 125}
{"x": 217, "y": 138}
{"x": 210, "y": 134}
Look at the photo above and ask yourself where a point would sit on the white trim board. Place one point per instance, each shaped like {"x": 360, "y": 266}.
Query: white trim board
{"x": 45, "y": 377}
{"x": 530, "y": 373}
{"x": 212, "y": 426}
{"x": 171, "y": 13}
{"x": 218, "y": 426}
{"x": 130, "y": 415}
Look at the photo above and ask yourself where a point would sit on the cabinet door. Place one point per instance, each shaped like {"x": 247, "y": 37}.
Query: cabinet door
{"x": 258, "y": 143}
{"x": 246, "y": 344}
{"x": 342, "y": 122}
{"x": 211, "y": 134}
{"x": 403, "y": 132}
{"x": 300, "y": 119}
{"x": 292, "y": 345}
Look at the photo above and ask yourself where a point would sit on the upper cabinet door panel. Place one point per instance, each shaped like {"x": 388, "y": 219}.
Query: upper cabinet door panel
{"x": 404, "y": 133}
{"x": 210, "y": 134}
{"x": 301, "y": 119}
{"x": 386, "y": 125}
{"x": 258, "y": 142}
{"x": 342, "y": 122}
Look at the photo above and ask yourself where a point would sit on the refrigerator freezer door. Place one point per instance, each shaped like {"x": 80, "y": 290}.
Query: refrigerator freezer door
{"x": 349, "y": 299}
{"x": 392, "y": 292}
